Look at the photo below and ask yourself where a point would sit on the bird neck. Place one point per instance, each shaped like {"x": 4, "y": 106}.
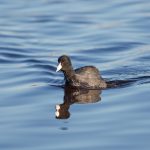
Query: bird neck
{"x": 69, "y": 73}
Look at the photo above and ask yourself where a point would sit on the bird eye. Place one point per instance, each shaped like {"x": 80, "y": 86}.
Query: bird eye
{"x": 62, "y": 60}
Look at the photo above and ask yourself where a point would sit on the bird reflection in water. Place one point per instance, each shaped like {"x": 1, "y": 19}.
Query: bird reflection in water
{"x": 74, "y": 95}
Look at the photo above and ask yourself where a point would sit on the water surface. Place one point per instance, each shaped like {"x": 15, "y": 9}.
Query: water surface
{"x": 111, "y": 35}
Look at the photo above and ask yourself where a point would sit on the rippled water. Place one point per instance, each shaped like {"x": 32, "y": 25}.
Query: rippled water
{"x": 111, "y": 35}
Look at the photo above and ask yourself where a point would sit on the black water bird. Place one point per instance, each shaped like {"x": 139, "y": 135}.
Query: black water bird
{"x": 85, "y": 77}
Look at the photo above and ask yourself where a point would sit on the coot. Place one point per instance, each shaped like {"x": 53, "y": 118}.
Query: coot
{"x": 84, "y": 77}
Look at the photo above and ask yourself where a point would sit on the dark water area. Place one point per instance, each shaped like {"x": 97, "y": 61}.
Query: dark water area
{"x": 114, "y": 36}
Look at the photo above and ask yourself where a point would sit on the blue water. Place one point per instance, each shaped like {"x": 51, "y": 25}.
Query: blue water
{"x": 114, "y": 36}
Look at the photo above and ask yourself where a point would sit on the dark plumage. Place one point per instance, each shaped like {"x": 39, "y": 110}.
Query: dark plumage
{"x": 84, "y": 77}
